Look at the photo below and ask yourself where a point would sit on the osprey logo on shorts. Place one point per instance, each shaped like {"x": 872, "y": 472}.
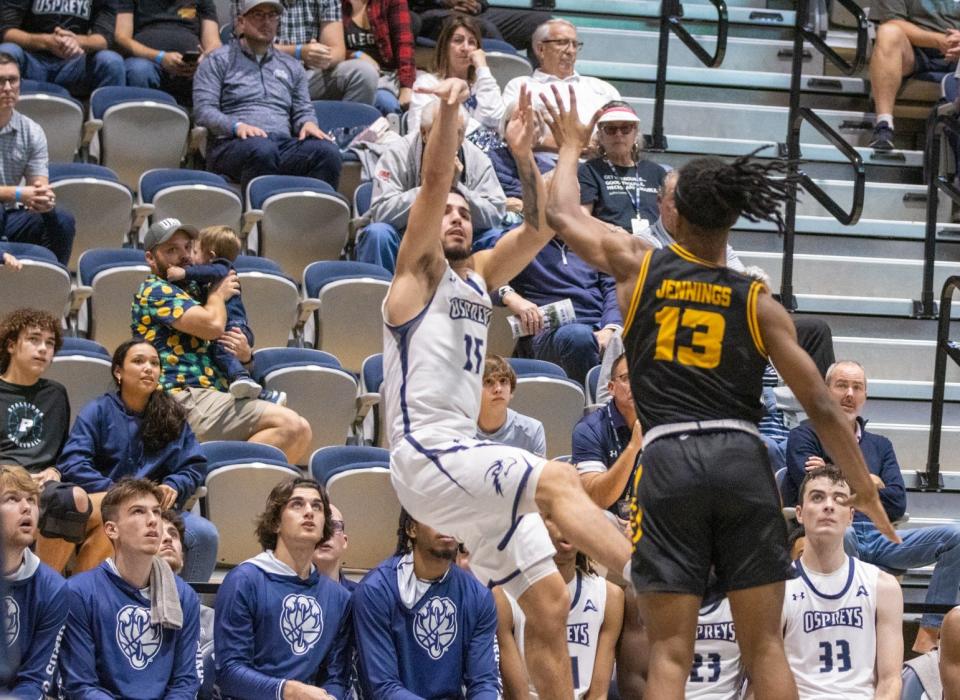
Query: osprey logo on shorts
{"x": 435, "y": 626}
{"x": 11, "y": 619}
{"x": 500, "y": 470}
{"x": 137, "y": 638}
{"x": 301, "y": 622}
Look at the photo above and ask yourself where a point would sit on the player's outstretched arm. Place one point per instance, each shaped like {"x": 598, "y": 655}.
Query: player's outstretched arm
{"x": 609, "y": 249}
{"x": 420, "y": 260}
{"x": 800, "y": 373}
{"x": 889, "y": 638}
{"x": 514, "y": 251}
{"x": 950, "y": 655}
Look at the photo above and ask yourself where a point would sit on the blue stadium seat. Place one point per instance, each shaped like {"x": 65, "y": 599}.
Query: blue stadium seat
{"x": 35, "y": 87}
{"x": 591, "y": 384}
{"x": 270, "y": 297}
{"x": 912, "y": 687}
{"x": 224, "y": 451}
{"x": 357, "y": 479}
{"x": 526, "y": 367}
{"x": 347, "y": 297}
{"x": 335, "y": 114}
{"x": 196, "y": 197}
{"x": 58, "y": 114}
{"x": 43, "y": 282}
{"x": 498, "y": 46}
{"x": 544, "y": 392}
{"x": 362, "y": 197}
{"x": 371, "y": 377}
{"x": 83, "y": 367}
{"x": 100, "y": 203}
{"x": 113, "y": 276}
{"x": 299, "y": 220}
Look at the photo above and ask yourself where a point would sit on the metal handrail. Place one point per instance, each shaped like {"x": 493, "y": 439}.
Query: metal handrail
{"x": 803, "y": 33}
{"x": 671, "y": 12}
{"x": 930, "y": 479}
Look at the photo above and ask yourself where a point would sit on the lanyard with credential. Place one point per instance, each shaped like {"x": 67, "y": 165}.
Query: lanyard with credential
{"x": 634, "y": 201}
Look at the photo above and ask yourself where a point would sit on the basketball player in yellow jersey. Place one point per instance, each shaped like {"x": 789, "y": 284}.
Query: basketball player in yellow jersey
{"x": 698, "y": 336}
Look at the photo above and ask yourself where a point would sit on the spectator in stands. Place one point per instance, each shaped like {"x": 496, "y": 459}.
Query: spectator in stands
{"x": 593, "y": 626}
{"x": 950, "y": 655}
{"x": 516, "y": 27}
{"x": 378, "y": 32}
{"x": 33, "y": 610}
{"x": 556, "y": 45}
{"x": 254, "y": 100}
{"x": 281, "y": 627}
{"x": 914, "y": 37}
{"x": 607, "y": 444}
{"x": 133, "y": 627}
{"x": 619, "y": 186}
{"x": 64, "y": 43}
{"x": 425, "y": 627}
{"x": 27, "y": 211}
{"x": 396, "y": 184}
{"x": 139, "y": 432}
{"x": 164, "y": 42}
{"x": 557, "y": 273}
{"x": 458, "y": 55}
{"x": 328, "y": 556}
{"x": 498, "y": 422}
{"x": 34, "y": 420}
{"x": 172, "y": 551}
{"x": 181, "y": 330}
{"x": 937, "y": 545}
{"x": 842, "y": 618}
{"x": 312, "y": 32}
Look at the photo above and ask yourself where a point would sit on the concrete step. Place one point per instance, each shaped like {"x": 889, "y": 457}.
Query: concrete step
{"x": 865, "y": 228}
{"x": 910, "y": 442}
{"x": 893, "y": 358}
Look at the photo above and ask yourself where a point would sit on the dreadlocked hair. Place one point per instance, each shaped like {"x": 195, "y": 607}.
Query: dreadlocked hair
{"x": 712, "y": 194}
{"x": 404, "y": 541}
{"x": 584, "y": 564}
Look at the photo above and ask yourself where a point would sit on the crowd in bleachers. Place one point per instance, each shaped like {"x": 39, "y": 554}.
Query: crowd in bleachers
{"x": 112, "y": 475}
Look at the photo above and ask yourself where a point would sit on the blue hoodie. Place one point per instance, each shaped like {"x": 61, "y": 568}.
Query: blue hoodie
{"x": 273, "y": 626}
{"x": 105, "y": 445}
{"x": 110, "y": 649}
{"x": 558, "y": 273}
{"x": 35, "y": 614}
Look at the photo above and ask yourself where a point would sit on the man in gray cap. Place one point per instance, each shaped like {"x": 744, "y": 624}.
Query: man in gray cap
{"x": 181, "y": 329}
{"x": 254, "y": 100}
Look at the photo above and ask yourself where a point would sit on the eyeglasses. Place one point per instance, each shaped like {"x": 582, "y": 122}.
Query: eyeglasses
{"x": 12, "y": 80}
{"x": 337, "y": 525}
{"x": 259, "y": 16}
{"x": 613, "y": 129}
{"x": 564, "y": 43}
{"x": 622, "y": 378}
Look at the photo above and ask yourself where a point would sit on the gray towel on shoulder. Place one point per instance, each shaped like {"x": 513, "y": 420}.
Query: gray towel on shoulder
{"x": 165, "y": 607}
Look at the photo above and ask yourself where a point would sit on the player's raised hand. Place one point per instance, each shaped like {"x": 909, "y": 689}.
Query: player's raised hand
{"x": 521, "y": 132}
{"x": 450, "y": 91}
{"x": 869, "y": 504}
{"x": 564, "y": 122}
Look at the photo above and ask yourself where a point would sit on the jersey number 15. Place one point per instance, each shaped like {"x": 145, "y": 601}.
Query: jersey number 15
{"x": 706, "y": 341}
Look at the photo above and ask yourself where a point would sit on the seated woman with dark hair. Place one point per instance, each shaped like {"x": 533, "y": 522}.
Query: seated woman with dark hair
{"x": 138, "y": 432}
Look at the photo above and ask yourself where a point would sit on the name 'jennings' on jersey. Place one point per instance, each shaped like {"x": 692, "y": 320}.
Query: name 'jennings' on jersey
{"x": 693, "y": 339}
{"x": 433, "y": 364}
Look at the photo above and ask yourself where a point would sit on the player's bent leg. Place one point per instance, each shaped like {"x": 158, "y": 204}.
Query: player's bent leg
{"x": 756, "y": 615}
{"x": 561, "y": 498}
{"x": 671, "y": 622}
{"x": 545, "y": 605}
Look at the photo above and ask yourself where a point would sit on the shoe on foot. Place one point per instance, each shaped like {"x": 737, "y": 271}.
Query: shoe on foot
{"x": 274, "y": 396}
{"x": 882, "y": 137}
{"x": 245, "y": 388}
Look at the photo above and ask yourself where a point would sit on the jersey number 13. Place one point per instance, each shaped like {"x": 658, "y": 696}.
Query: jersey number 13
{"x": 706, "y": 341}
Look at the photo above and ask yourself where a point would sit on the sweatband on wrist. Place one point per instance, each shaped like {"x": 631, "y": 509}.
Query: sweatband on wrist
{"x": 158, "y": 59}
{"x": 298, "y": 51}
{"x": 236, "y": 126}
{"x": 16, "y": 194}
{"x": 357, "y": 54}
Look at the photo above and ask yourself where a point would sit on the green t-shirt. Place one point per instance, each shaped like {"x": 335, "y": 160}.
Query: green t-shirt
{"x": 184, "y": 358}
{"x": 933, "y": 15}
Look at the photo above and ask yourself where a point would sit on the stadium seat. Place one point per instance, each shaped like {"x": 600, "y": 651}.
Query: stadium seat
{"x": 112, "y": 276}
{"x": 43, "y": 283}
{"x": 317, "y": 388}
{"x": 83, "y": 367}
{"x": 100, "y": 203}
{"x": 544, "y": 392}
{"x": 270, "y": 298}
{"x": 139, "y": 129}
{"x": 912, "y": 686}
{"x": 357, "y": 480}
{"x": 299, "y": 220}
{"x": 195, "y": 197}
{"x": 239, "y": 478}
{"x": 500, "y": 340}
{"x": 590, "y": 384}
{"x": 208, "y": 685}
{"x": 347, "y": 297}
{"x": 335, "y": 116}
{"x": 505, "y": 62}
{"x": 361, "y": 198}
{"x": 371, "y": 377}
{"x": 58, "y": 114}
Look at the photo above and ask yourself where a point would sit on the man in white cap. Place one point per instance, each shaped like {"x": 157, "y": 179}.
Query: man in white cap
{"x": 181, "y": 329}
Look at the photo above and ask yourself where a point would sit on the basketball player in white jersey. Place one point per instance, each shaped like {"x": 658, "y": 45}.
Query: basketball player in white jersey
{"x": 436, "y": 315}
{"x": 593, "y": 627}
{"x": 717, "y": 672}
{"x": 842, "y": 618}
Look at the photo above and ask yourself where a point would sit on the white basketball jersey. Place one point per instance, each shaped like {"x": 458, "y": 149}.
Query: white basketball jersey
{"x": 830, "y": 631}
{"x": 717, "y": 673}
{"x": 433, "y": 364}
{"x": 588, "y": 600}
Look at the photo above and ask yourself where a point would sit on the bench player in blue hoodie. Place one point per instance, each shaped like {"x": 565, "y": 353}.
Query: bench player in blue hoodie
{"x": 33, "y": 610}
{"x": 133, "y": 628}
{"x": 282, "y": 629}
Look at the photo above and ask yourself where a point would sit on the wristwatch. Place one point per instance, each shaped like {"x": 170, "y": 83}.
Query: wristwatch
{"x": 504, "y": 290}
